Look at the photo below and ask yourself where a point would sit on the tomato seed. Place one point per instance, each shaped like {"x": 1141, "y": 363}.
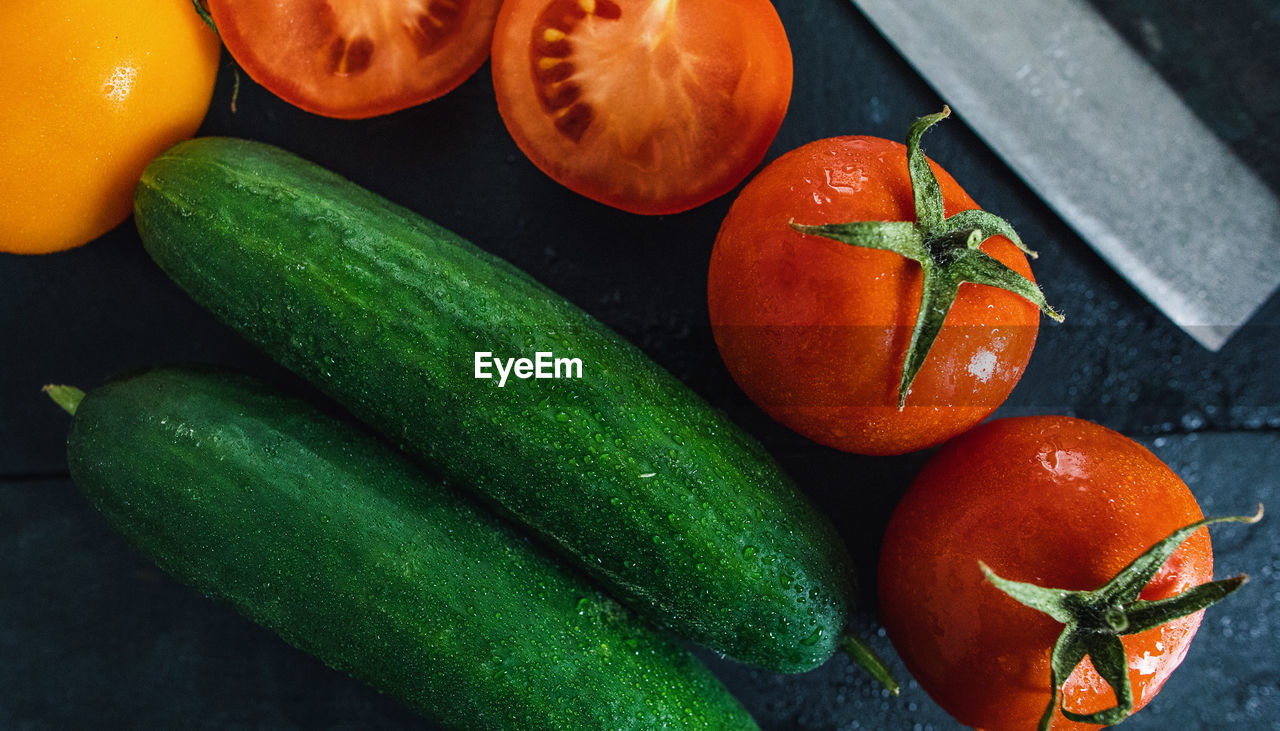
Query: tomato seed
{"x": 608, "y": 10}
{"x": 563, "y": 96}
{"x": 574, "y": 121}
{"x": 350, "y": 57}
{"x": 433, "y": 28}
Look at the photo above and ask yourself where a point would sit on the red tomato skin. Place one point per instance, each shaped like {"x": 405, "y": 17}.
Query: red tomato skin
{"x": 815, "y": 331}
{"x": 287, "y": 46}
{"x": 680, "y": 120}
{"x": 1056, "y": 501}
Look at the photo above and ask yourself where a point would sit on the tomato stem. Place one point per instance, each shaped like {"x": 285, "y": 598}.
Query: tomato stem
{"x": 203, "y": 11}
{"x": 1095, "y": 620}
{"x": 946, "y": 248}
{"x": 68, "y": 397}
{"x": 861, "y": 653}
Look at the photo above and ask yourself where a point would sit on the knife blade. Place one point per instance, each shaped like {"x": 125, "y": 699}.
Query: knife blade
{"x": 1054, "y": 90}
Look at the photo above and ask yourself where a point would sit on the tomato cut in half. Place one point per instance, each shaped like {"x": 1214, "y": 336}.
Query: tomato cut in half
{"x": 651, "y": 106}
{"x": 354, "y": 59}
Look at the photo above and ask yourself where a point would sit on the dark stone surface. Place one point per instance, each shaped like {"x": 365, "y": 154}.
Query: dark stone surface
{"x": 92, "y": 636}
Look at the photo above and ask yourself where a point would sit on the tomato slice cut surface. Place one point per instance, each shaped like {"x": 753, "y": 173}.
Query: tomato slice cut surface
{"x": 651, "y": 106}
{"x": 357, "y": 58}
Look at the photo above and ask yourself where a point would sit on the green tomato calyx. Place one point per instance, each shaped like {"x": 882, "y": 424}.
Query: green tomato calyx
{"x": 946, "y": 248}
{"x": 1096, "y": 619}
{"x": 68, "y": 397}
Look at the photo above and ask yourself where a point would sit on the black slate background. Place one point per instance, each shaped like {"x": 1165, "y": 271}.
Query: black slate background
{"x": 92, "y": 636}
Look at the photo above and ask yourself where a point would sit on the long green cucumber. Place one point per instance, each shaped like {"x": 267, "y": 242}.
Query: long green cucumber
{"x": 337, "y": 542}
{"x": 657, "y": 495}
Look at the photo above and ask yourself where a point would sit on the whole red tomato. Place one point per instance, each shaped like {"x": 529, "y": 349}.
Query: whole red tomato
{"x": 817, "y": 331}
{"x": 1053, "y": 501}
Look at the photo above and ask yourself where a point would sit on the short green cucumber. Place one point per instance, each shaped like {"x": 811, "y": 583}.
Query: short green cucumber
{"x": 331, "y": 538}
{"x": 660, "y": 497}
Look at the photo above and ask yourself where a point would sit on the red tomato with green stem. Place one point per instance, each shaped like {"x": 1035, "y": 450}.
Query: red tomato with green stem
{"x": 816, "y": 286}
{"x": 1069, "y": 507}
{"x": 354, "y": 59}
{"x": 650, "y": 106}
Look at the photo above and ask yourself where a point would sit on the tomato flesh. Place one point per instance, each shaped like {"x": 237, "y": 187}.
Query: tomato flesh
{"x": 351, "y": 59}
{"x": 1054, "y": 501}
{"x": 651, "y": 106}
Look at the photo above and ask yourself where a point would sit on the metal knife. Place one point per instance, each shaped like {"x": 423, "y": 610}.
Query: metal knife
{"x": 1097, "y": 134}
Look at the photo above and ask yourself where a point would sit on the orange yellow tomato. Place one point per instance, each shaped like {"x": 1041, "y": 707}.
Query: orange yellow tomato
{"x": 105, "y": 87}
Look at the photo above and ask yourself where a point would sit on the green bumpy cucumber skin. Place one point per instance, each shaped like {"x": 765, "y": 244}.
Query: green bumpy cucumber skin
{"x": 654, "y": 493}
{"x": 329, "y": 537}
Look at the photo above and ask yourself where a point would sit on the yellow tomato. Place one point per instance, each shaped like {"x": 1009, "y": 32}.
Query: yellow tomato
{"x": 108, "y": 85}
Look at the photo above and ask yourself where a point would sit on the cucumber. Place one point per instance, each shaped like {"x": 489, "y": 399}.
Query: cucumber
{"x": 673, "y": 508}
{"x": 338, "y": 543}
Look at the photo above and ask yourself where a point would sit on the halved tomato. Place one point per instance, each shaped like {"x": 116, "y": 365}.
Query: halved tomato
{"x": 651, "y": 106}
{"x": 357, "y": 58}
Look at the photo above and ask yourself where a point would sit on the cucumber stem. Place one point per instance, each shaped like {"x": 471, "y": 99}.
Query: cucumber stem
{"x": 68, "y": 397}
{"x": 862, "y": 654}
